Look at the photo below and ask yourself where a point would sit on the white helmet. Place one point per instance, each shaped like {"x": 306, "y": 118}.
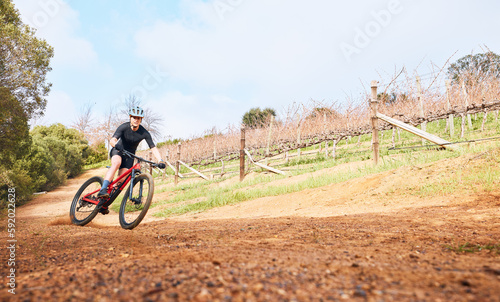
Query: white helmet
{"x": 136, "y": 111}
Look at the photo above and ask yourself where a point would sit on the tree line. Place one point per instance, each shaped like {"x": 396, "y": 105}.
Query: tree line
{"x": 40, "y": 159}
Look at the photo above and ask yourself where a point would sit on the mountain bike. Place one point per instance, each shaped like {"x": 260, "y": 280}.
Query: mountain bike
{"x": 135, "y": 202}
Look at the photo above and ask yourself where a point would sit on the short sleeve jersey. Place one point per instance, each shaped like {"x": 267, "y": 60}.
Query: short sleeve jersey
{"x": 130, "y": 139}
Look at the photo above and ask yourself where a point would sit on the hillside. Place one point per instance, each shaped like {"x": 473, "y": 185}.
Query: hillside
{"x": 421, "y": 232}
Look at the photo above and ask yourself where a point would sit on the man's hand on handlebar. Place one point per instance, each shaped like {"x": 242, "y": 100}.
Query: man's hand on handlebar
{"x": 161, "y": 165}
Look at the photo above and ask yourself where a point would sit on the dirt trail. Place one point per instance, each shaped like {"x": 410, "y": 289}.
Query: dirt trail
{"x": 367, "y": 239}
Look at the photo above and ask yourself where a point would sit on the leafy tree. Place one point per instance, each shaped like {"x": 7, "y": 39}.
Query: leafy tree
{"x": 257, "y": 118}
{"x": 14, "y": 129}
{"x": 24, "y": 61}
{"x": 475, "y": 67}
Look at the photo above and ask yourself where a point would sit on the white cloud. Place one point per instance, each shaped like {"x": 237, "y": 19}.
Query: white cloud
{"x": 265, "y": 44}
{"x": 58, "y": 23}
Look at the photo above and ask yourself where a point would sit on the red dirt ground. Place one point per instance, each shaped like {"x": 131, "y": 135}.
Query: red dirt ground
{"x": 367, "y": 239}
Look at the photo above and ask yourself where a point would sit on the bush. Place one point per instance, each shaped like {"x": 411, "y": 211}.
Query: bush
{"x": 19, "y": 179}
{"x": 96, "y": 155}
{"x": 50, "y": 155}
{"x": 257, "y": 118}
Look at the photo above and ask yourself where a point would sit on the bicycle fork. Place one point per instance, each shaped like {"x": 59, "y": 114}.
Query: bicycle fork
{"x": 138, "y": 200}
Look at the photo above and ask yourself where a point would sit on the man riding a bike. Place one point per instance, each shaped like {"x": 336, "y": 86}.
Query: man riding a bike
{"x": 126, "y": 137}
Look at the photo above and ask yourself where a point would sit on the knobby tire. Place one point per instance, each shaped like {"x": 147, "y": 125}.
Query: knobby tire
{"x": 82, "y": 212}
{"x": 134, "y": 208}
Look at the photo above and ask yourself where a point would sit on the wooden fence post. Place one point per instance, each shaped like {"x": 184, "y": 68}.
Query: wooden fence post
{"x": 299, "y": 124}
{"x": 463, "y": 125}
{"x": 485, "y": 117}
{"x": 334, "y": 148}
{"x": 269, "y": 137}
{"x": 393, "y": 137}
{"x": 374, "y": 119}
{"x": 242, "y": 154}
{"x": 177, "y": 164}
{"x": 450, "y": 118}
{"x": 467, "y": 104}
{"x": 215, "y": 151}
{"x": 423, "y": 126}
{"x": 150, "y": 157}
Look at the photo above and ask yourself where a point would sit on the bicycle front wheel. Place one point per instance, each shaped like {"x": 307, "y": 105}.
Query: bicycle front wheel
{"x": 136, "y": 202}
{"x": 81, "y": 211}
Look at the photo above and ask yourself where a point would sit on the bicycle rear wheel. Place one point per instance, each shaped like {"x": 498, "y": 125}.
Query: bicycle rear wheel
{"x": 82, "y": 212}
{"x": 134, "y": 207}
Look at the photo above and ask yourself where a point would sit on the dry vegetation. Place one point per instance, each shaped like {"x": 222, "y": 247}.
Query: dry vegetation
{"x": 302, "y": 125}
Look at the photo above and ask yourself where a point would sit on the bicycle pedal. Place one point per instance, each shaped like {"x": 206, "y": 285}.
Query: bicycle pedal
{"x": 104, "y": 211}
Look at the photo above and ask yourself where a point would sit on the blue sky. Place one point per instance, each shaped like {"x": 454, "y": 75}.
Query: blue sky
{"x": 205, "y": 63}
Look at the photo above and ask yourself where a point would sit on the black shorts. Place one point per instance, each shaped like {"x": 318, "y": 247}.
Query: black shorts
{"x": 127, "y": 162}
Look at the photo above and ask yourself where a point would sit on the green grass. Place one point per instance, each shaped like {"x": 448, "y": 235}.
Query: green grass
{"x": 233, "y": 194}
{"x": 474, "y": 248}
{"x": 97, "y": 165}
{"x": 202, "y": 196}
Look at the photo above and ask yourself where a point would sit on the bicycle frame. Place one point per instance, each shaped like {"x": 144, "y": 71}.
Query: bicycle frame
{"x": 129, "y": 175}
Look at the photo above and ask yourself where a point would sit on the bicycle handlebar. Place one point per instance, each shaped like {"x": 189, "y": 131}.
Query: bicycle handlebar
{"x": 139, "y": 158}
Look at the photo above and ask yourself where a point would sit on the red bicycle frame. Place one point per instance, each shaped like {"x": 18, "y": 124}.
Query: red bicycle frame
{"x": 127, "y": 174}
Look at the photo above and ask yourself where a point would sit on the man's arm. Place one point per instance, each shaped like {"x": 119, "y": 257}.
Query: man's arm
{"x": 113, "y": 141}
{"x": 157, "y": 154}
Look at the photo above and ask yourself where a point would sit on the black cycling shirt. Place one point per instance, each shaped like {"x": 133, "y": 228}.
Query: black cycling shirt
{"x": 130, "y": 139}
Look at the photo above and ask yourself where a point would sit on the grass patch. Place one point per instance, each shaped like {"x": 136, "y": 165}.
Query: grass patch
{"x": 203, "y": 196}
{"x": 232, "y": 194}
{"x": 483, "y": 176}
{"x": 102, "y": 164}
{"x": 474, "y": 248}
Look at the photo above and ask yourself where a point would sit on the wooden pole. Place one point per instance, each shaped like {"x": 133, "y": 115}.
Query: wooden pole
{"x": 394, "y": 137}
{"x": 177, "y": 164}
{"x": 374, "y": 119}
{"x": 485, "y": 117}
{"x": 242, "y": 154}
{"x": 462, "y": 133}
{"x": 421, "y": 105}
{"x": 450, "y": 118}
{"x": 430, "y": 137}
{"x": 215, "y": 151}
{"x": 298, "y": 135}
{"x": 193, "y": 170}
{"x": 150, "y": 157}
{"x": 334, "y": 148}
{"x": 466, "y": 97}
{"x": 269, "y": 137}
{"x": 263, "y": 166}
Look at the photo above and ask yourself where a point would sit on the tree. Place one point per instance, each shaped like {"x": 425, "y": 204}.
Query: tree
{"x": 321, "y": 112}
{"x": 257, "y": 118}
{"x": 475, "y": 68}
{"x": 14, "y": 129}
{"x": 84, "y": 121}
{"x": 24, "y": 61}
{"x": 152, "y": 120}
